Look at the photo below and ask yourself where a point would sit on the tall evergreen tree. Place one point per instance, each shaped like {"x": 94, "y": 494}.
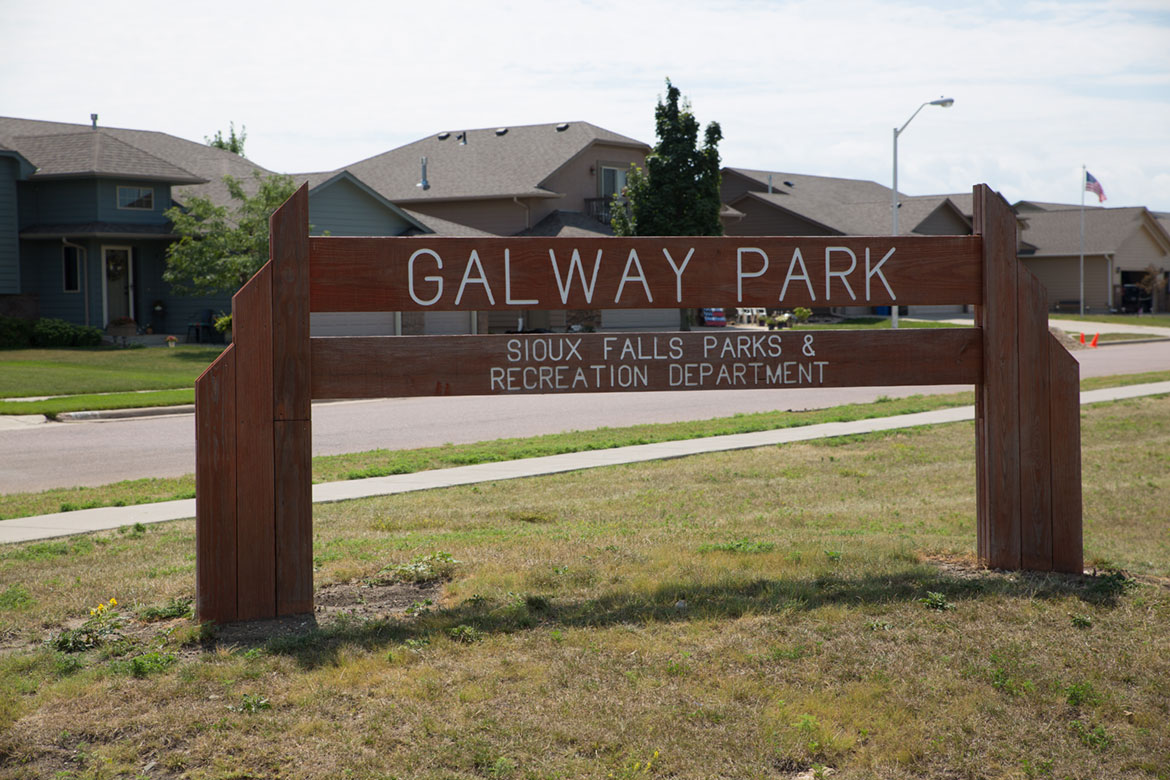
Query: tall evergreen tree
{"x": 678, "y": 193}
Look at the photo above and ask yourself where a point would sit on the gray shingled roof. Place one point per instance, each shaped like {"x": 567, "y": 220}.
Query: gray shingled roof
{"x": 827, "y": 189}
{"x": 96, "y": 153}
{"x": 863, "y": 218}
{"x": 445, "y": 227}
{"x": 571, "y": 224}
{"x": 203, "y": 161}
{"x": 1058, "y": 233}
{"x": 489, "y": 165}
{"x": 963, "y": 201}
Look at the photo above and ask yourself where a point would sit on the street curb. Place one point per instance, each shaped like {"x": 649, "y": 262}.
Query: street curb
{"x": 121, "y": 414}
{"x": 80, "y": 521}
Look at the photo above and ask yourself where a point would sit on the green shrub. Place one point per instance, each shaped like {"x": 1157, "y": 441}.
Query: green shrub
{"x": 51, "y": 332}
{"x": 15, "y": 333}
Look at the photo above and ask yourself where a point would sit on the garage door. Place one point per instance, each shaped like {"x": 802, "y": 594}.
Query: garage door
{"x": 447, "y": 323}
{"x": 347, "y": 323}
{"x": 639, "y": 319}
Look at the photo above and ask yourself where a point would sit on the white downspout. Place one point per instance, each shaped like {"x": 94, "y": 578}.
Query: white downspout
{"x": 84, "y": 273}
{"x": 527, "y": 211}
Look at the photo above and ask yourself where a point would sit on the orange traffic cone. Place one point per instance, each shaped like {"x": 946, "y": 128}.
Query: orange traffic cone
{"x": 1093, "y": 344}
{"x": 1082, "y": 339}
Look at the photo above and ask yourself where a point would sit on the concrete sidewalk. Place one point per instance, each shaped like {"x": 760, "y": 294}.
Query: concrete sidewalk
{"x": 25, "y": 529}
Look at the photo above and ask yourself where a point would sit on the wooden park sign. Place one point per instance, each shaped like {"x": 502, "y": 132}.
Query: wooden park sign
{"x": 253, "y": 492}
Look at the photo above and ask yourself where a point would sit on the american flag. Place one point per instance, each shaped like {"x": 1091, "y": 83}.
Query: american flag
{"x": 1094, "y": 186}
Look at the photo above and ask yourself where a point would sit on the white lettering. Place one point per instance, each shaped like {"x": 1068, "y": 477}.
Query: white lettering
{"x": 829, "y": 274}
{"x": 739, "y": 272}
{"x": 877, "y": 271}
{"x": 435, "y": 279}
{"x": 678, "y": 272}
{"x": 797, "y": 258}
{"x": 641, "y": 277}
{"x": 469, "y": 279}
{"x": 575, "y": 262}
{"x": 508, "y": 284}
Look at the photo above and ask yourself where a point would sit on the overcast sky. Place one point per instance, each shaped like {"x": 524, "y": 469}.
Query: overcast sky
{"x": 806, "y": 86}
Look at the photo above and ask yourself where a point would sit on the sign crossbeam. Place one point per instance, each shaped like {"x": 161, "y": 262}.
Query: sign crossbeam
{"x": 253, "y": 414}
{"x": 423, "y": 273}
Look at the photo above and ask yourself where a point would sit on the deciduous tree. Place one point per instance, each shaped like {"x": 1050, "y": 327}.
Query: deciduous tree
{"x": 220, "y": 248}
{"x": 233, "y": 143}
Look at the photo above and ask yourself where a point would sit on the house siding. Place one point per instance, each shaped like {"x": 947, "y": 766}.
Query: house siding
{"x": 1061, "y": 278}
{"x": 107, "y": 202}
{"x": 580, "y": 177}
{"x": 58, "y": 202}
{"x": 733, "y": 186}
{"x": 943, "y": 222}
{"x": 9, "y": 229}
{"x": 1140, "y": 251}
{"x": 763, "y": 220}
{"x": 41, "y": 266}
{"x": 344, "y": 209}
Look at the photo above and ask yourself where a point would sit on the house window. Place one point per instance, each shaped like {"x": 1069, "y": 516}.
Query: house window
{"x": 141, "y": 198}
{"x": 70, "y": 269}
{"x": 613, "y": 181}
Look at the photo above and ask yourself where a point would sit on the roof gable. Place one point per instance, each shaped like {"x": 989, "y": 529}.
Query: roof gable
{"x": 1058, "y": 233}
{"x": 96, "y": 153}
{"x": 484, "y": 163}
{"x": 345, "y": 179}
{"x": 207, "y": 163}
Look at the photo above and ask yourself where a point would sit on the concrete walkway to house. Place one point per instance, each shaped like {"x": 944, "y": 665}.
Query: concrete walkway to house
{"x": 25, "y": 529}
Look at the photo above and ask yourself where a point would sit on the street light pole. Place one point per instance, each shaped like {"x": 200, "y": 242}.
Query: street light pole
{"x": 944, "y": 103}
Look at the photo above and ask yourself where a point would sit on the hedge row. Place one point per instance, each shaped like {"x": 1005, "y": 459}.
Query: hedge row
{"x": 16, "y": 333}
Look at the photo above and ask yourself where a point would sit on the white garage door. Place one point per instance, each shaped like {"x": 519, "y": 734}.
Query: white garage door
{"x": 639, "y": 319}
{"x": 346, "y": 323}
{"x": 447, "y": 323}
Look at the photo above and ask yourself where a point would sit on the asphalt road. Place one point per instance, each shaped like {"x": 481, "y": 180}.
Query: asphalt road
{"x": 98, "y": 452}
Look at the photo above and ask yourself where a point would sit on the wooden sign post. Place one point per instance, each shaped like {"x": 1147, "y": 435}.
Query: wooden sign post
{"x": 253, "y": 418}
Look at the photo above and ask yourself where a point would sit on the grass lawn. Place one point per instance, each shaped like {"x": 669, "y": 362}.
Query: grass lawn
{"x": 376, "y": 463}
{"x": 28, "y": 373}
{"x": 753, "y": 614}
{"x": 1152, "y": 320}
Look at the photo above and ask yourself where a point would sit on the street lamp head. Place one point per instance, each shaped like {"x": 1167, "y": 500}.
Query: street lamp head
{"x": 944, "y": 102}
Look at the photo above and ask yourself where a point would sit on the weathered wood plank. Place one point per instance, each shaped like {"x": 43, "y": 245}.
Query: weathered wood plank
{"x": 446, "y": 273}
{"x": 1000, "y": 432}
{"x": 215, "y": 491}
{"x": 1065, "y": 386}
{"x": 256, "y": 530}
{"x": 1035, "y": 429}
{"x": 294, "y": 517}
{"x": 373, "y": 367}
{"x": 289, "y": 251}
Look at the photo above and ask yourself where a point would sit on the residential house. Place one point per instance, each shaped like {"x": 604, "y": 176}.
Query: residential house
{"x": 775, "y": 203}
{"x": 1120, "y": 245}
{"x": 548, "y": 179}
{"x": 83, "y": 234}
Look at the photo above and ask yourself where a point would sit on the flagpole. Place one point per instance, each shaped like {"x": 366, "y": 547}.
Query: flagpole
{"x": 1083, "y": 183}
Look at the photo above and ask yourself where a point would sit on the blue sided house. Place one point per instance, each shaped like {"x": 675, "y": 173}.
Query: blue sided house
{"x": 83, "y": 230}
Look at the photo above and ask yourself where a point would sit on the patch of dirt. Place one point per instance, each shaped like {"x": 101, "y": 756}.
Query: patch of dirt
{"x": 355, "y": 599}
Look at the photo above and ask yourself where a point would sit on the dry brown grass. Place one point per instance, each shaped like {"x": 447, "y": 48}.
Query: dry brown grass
{"x": 744, "y": 615}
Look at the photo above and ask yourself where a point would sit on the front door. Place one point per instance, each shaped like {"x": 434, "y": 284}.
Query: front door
{"x": 118, "y": 282}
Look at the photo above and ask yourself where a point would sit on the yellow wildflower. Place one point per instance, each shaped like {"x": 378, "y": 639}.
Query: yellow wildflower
{"x": 113, "y": 602}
